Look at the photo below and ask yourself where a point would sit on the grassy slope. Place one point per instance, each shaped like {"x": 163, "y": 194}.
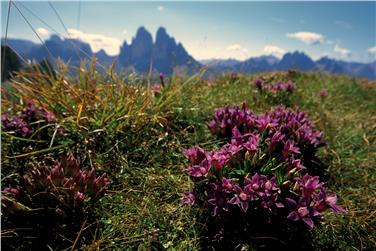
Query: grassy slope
{"x": 147, "y": 211}
{"x": 143, "y": 209}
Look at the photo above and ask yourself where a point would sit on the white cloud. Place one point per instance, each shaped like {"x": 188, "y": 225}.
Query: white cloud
{"x": 237, "y": 47}
{"x": 372, "y": 50}
{"x": 310, "y": 38}
{"x": 321, "y": 55}
{"x": 274, "y": 50}
{"x": 160, "y": 8}
{"x": 237, "y": 51}
{"x": 125, "y": 32}
{"x": 97, "y": 41}
{"x": 341, "y": 51}
{"x": 42, "y": 32}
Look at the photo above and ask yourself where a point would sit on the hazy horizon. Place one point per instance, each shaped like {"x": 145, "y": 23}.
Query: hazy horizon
{"x": 208, "y": 30}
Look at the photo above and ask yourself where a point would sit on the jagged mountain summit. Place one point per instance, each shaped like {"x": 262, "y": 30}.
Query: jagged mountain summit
{"x": 165, "y": 54}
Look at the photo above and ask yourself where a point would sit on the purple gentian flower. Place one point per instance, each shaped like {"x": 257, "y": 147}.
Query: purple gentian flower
{"x": 290, "y": 148}
{"x": 30, "y": 109}
{"x": 253, "y": 143}
{"x": 241, "y": 198}
{"x": 302, "y": 211}
{"x": 195, "y": 155}
{"x": 189, "y": 198}
{"x": 237, "y": 137}
{"x": 328, "y": 202}
{"x": 80, "y": 197}
{"x": 49, "y": 116}
{"x": 227, "y": 184}
{"x": 198, "y": 171}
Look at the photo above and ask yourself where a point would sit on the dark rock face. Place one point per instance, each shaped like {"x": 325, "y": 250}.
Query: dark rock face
{"x": 72, "y": 50}
{"x": 296, "y": 60}
{"x": 260, "y": 64}
{"x": 139, "y": 53}
{"x": 163, "y": 55}
{"x": 10, "y": 62}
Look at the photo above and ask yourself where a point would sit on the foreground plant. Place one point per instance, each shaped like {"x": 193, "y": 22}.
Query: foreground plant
{"x": 264, "y": 169}
{"x": 49, "y": 204}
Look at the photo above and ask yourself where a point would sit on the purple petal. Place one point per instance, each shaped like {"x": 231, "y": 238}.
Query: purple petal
{"x": 293, "y": 216}
{"x": 279, "y": 205}
{"x": 309, "y": 222}
{"x": 244, "y": 205}
{"x": 291, "y": 203}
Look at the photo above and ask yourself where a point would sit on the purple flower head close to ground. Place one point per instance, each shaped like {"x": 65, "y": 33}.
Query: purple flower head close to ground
{"x": 252, "y": 144}
{"x": 302, "y": 211}
{"x": 30, "y": 109}
{"x": 189, "y": 198}
{"x": 49, "y": 116}
{"x": 259, "y": 83}
{"x": 290, "y": 149}
{"x": 195, "y": 155}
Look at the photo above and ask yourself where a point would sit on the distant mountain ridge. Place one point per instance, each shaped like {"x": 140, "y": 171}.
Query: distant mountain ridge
{"x": 166, "y": 55}
{"x": 293, "y": 60}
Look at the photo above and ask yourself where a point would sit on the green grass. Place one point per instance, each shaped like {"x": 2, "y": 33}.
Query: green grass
{"x": 137, "y": 138}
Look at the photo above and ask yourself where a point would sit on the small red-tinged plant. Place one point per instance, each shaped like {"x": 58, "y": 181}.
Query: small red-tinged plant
{"x": 323, "y": 93}
{"x": 51, "y": 201}
{"x": 161, "y": 78}
{"x": 156, "y": 89}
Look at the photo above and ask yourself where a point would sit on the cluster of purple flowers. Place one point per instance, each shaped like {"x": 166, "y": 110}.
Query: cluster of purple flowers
{"x": 225, "y": 119}
{"x": 311, "y": 200}
{"x": 286, "y": 130}
{"x": 276, "y": 87}
{"x": 65, "y": 181}
{"x": 264, "y": 155}
{"x": 24, "y": 123}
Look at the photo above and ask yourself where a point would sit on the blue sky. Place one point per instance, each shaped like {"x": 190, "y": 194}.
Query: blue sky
{"x": 342, "y": 30}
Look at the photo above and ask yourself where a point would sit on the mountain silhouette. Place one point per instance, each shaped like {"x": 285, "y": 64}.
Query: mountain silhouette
{"x": 296, "y": 60}
{"x": 166, "y": 55}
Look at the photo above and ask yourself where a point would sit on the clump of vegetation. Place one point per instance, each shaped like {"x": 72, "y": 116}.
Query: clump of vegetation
{"x": 265, "y": 166}
{"x": 49, "y": 202}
